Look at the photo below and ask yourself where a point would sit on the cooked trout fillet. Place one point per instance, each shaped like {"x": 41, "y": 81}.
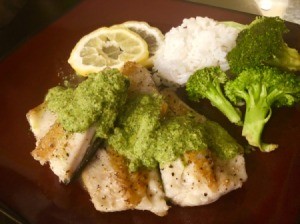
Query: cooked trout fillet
{"x": 199, "y": 177}
{"x": 40, "y": 120}
{"x": 141, "y": 81}
{"x": 107, "y": 178}
{"x": 113, "y": 188}
{"x": 63, "y": 151}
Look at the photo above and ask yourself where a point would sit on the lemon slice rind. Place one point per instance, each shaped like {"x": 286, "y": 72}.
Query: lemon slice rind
{"x": 107, "y": 47}
{"x": 152, "y": 35}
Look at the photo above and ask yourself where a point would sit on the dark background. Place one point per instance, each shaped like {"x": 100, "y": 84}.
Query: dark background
{"x": 20, "y": 19}
{"x": 271, "y": 194}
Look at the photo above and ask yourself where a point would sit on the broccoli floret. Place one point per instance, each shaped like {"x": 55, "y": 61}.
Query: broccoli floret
{"x": 261, "y": 42}
{"x": 206, "y": 83}
{"x": 261, "y": 88}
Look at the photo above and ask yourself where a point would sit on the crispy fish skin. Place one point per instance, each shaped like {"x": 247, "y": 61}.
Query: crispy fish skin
{"x": 199, "y": 177}
{"x": 107, "y": 178}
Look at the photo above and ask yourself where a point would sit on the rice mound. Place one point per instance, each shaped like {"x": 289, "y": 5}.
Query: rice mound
{"x": 197, "y": 43}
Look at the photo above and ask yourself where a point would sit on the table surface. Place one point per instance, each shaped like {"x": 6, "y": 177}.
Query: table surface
{"x": 21, "y": 19}
{"x": 25, "y": 86}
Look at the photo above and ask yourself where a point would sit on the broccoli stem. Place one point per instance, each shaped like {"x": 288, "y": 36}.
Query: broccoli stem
{"x": 233, "y": 24}
{"x": 258, "y": 112}
{"x": 218, "y": 100}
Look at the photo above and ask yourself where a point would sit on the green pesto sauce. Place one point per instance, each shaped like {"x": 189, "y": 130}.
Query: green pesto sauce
{"x": 134, "y": 133}
{"x": 175, "y": 136}
{"x": 95, "y": 101}
{"x": 147, "y": 140}
{"x": 141, "y": 134}
{"x": 219, "y": 141}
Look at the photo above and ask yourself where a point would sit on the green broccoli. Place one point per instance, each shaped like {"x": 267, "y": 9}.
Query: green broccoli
{"x": 206, "y": 83}
{"x": 261, "y": 42}
{"x": 261, "y": 88}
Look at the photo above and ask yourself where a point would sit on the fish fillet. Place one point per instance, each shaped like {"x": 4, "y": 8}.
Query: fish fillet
{"x": 62, "y": 150}
{"x": 113, "y": 188}
{"x": 107, "y": 178}
{"x": 199, "y": 177}
{"x": 40, "y": 120}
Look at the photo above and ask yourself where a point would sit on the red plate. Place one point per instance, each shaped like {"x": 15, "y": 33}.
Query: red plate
{"x": 270, "y": 194}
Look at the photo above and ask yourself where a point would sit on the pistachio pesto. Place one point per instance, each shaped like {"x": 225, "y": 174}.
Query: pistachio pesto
{"x": 134, "y": 134}
{"x": 175, "y": 136}
{"x": 94, "y": 102}
{"x": 141, "y": 132}
{"x": 219, "y": 141}
{"x": 147, "y": 139}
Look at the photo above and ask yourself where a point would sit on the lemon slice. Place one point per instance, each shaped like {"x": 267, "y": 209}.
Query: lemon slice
{"x": 107, "y": 47}
{"x": 152, "y": 35}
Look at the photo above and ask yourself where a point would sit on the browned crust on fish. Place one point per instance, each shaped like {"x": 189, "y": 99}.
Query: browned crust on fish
{"x": 140, "y": 79}
{"x": 133, "y": 185}
{"x": 55, "y": 138}
{"x": 203, "y": 166}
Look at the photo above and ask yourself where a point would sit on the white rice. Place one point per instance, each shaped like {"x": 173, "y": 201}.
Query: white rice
{"x": 197, "y": 43}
